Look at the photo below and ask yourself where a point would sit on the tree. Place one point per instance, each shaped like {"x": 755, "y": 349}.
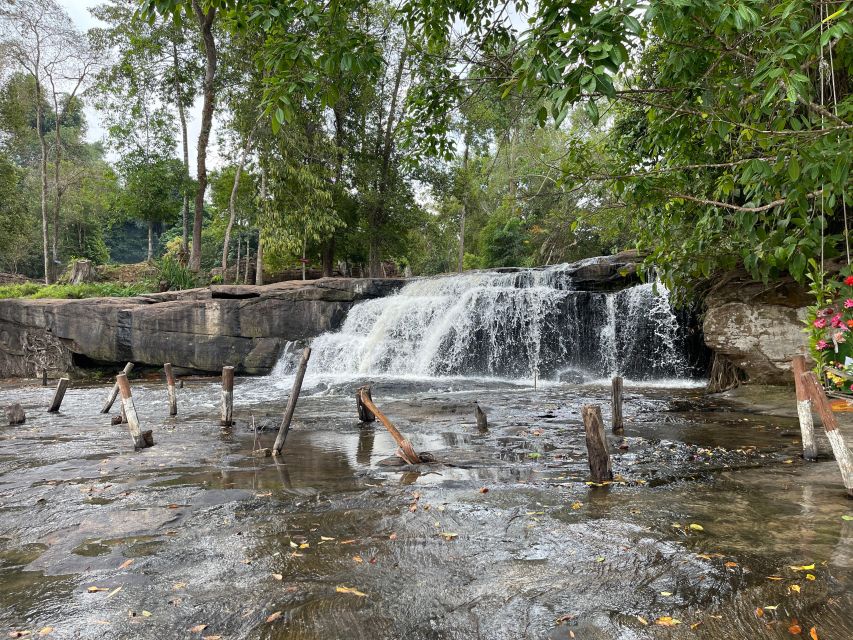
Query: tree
{"x": 152, "y": 193}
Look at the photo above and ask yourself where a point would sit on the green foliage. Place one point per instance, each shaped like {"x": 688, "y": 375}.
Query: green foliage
{"x": 175, "y": 275}
{"x": 64, "y": 291}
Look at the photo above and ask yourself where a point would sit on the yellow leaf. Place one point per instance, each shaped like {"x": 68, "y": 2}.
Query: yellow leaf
{"x": 113, "y": 592}
{"x": 294, "y": 545}
{"x": 759, "y": 612}
{"x": 795, "y": 588}
{"x": 696, "y": 527}
{"x": 45, "y": 630}
{"x": 96, "y": 589}
{"x": 813, "y": 633}
{"x": 304, "y": 545}
{"x": 358, "y": 559}
{"x": 771, "y": 607}
{"x": 325, "y": 538}
{"x": 351, "y": 590}
{"x": 643, "y": 620}
{"x": 667, "y": 621}
{"x": 666, "y": 593}
{"x": 804, "y": 567}
{"x": 577, "y": 505}
{"x": 447, "y": 535}
{"x": 809, "y": 576}
{"x": 179, "y": 585}
{"x": 274, "y": 616}
{"x": 695, "y": 624}
{"x": 146, "y": 614}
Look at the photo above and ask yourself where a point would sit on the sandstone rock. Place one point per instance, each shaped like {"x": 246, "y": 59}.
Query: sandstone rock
{"x": 15, "y": 414}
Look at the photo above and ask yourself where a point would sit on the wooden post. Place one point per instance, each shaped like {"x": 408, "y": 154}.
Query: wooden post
{"x": 616, "y": 406}
{"x": 407, "y": 451}
{"x": 227, "y": 396}
{"x": 804, "y": 409}
{"x": 44, "y": 377}
{"x": 596, "y": 443}
{"x": 830, "y": 425}
{"x": 58, "y": 395}
{"x": 364, "y": 414}
{"x": 15, "y": 413}
{"x": 291, "y": 403}
{"x": 130, "y": 411}
{"x": 170, "y": 387}
{"x": 482, "y": 420}
{"x": 114, "y": 391}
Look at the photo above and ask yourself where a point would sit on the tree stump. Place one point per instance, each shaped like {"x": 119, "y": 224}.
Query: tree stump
{"x": 482, "y": 419}
{"x": 596, "y": 443}
{"x": 804, "y": 409}
{"x": 830, "y": 425}
{"x": 15, "y": 413}
{"x": 364, "y": 414}
{"x": 616, "y": 406}
{"x": 82, "y": 271}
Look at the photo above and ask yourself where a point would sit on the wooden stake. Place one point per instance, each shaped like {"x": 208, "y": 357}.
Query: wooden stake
{"x": 44, "y": 377}
{"x": 130, "y": 412}
{"x": 482, "y": 420}
{"x": 596, "y": 443}
{"x": 114, "y": 392}
{"x": 364, "y": 414}
{"x": 804, "y": 409}
{"x": 616, "y": 406}
{"x": 58, "y": 395}
{"x": 407, "y": 451}
{"x": 227, "y": 396}
{"x": 170, "y": 387}
{"x": 291, "y": 403}
{"x": 830, "y": 425}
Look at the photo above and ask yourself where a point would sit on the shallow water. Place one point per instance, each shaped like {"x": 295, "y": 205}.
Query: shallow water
{"x": 196, "y": 530}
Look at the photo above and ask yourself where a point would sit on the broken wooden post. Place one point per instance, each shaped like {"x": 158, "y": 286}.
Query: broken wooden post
{"x": 114, "y": 391}
{"x": 170, "y": 387}
{"x": 130, "y": 412}
{"x": 407, "y": 451}
{"x": 58, "y": 395}
{"x": 15, "y": 413}
{"x": 804, "y": 409}
{"x": 596, "y": 443}
{"x": 616, "y": 405}
{"x": 291, "y": 403}
{"x": 482, "y": 420}
{"x": 44, "y": 377}
{"x": 227, "y": 396}
{"x": 364, "y": 414}
{"x": 830, "y": 424}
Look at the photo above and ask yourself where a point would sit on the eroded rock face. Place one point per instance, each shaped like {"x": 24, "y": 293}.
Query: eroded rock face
{"x": 198, "y": 329}
{"x": 758, "y": 327}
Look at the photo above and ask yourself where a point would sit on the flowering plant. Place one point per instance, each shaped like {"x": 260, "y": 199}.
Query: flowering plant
{"x": 830, "y": 328}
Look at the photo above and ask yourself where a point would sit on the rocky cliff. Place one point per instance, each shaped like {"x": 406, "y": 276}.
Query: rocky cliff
{"x": 197, "y": 329}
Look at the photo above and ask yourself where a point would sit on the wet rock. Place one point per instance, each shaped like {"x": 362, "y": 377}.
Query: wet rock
{"x": 15, "y": 414}
{"x": 572, "y": 376}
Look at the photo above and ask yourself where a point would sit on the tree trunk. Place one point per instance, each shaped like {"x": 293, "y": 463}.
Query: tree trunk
{"x": 232, "y": 201}
{"x": 464, "y": 203}
{"x": 259, "y": 269}
{"x": 150, "y": 241}
{"x": 236, "y": 266}
{"x": 259, "y": 261}
{"x": 185, "y": 208}
{"x": 205, "y": 22}
{"x": 329, "y": 257}
{"x": 45, "y": 224}
{"x": 57, "y": 196}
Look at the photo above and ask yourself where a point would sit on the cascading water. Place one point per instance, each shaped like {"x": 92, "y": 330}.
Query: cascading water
{"x": 509, "y": 325}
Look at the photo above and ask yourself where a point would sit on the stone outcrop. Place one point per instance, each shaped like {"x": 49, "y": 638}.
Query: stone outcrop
{"x": 197, "y": 329}
{"x": 757, "y": 328}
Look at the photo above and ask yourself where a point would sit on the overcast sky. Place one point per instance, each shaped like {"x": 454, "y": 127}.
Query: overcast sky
{"x": 79, "y": 12}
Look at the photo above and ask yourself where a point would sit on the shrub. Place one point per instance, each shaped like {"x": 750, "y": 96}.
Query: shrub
{"x": 175, "y": 275}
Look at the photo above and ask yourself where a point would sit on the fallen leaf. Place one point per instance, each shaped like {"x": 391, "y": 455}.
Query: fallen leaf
{"x": 413, "y": 507}
{"x": 731, "y": 564}
{"x": 577, "y": 505}
{"x": 351, "y": 590}
{"x": 211, "y": 638}
{"x": 600, "y": 559}
{"x": 358, "y": 559}
{"x": 198, "y": 628}
{"x": 771, "y": 607}
{"x": 666, "y": 593}
{"x": 126, "y": 564}
{"x": 278, "y": 576}
{"x": 565, "y": 618}
{"x": 448, "y": 535}
{"x": 294, "y": 545}
{"x": 777, "y": 578}
{"x": 113, "y": 592}
{"x": 19, "y": 634}
{"x": 173, "y": 506}
{"x": 795, "y": 629}
{"x": 695, "y": 624}
{"x": 809, "y": 576}
{"x": 393, "y": 536}
{"x": 304, "y": 545}
{"x": 759, "y": 612}
{"x": 813, "y": 633}
{"x": 347, "y": 541}
{"x": 179, "y": 585}
{"x": 795, "y": 588}
{"x": 805, "y": 567}
{"x": 96, "y": 589}
{"x": 667, "y": 621}
{"x": 274, "y": 616}
{"x": 696, "y": 527}
{"x": 45, "y": 630}
{"x": 146, "y": 614}
{"x": 846, "y": 517}
{"x": 484, "y": 489}
{"x": 643, "y": 621}
{"x": 326, "y": 538}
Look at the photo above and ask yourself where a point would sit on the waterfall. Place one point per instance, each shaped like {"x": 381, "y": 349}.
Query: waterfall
{"x": 508, "y": 325}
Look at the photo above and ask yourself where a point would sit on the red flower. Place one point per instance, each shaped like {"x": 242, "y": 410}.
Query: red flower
{"x": 821, "y": 345}
{"x": 820, "y": 323}
{"x": 848, "y": 281}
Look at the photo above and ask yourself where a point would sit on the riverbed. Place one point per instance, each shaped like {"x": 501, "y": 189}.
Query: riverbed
{"x": 709, "y": 530}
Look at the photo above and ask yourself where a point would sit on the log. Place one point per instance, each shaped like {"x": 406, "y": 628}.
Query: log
{"x": 227, "y": 396}
{"x": 58, "y": 395}
{"x": 364, "y": 414}
{"x": 291, "y": 403}
{"x": 170, "y": 388}
{"x": 114, "y": 391}
{"x": 482, "y": 419}
{"x": 596, "y": 443}
{"x": 804, "y": 409}
{"x": 616, "y": 406}
{"x": 830, "y": 424}
{"x": 44, "y": 377}
{"x": 407, "y": 451}
{"x": 130, "y": 411}
{"x": 15, "y": 413}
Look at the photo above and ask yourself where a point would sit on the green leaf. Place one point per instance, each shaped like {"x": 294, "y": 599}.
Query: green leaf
{"x": 794, "y": 168}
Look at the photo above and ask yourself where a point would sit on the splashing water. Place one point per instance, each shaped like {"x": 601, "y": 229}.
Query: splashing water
{"x": 508, "y": 325}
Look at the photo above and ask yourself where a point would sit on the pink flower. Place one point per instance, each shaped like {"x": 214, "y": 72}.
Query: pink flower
{"x": 836, "y": 320}
{"x": 820, "y": 323}
{"x": 839, "y": 337}
{"x": 825, "y": 312}
{"x": 848, "y": 303}
{"x": 821, "y": 345}
{"x": 848, "y": 281}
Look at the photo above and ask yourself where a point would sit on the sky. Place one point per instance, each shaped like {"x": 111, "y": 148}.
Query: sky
{"x": 78, "y": 10}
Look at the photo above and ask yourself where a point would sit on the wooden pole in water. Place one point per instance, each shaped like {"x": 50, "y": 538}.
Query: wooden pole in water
{"x": 291, "y": 403}
{"x": 44, "y": 377}
{"x": 58, "y": 395}
{"x": 227, "y": 396}
{"x": 804, "y": 409}
{"x": 596, "y": 443}
{"x": 170, "y": 387}
{"x": 114, "y": 392}
{"x": 407, "y": 451}
{"x": 130, "y": 411}
{"x": 830, "y": 425}
{"x": 616, "y": 406}
{"x": 364, "y": 414}
{"x": 482, "y": 420}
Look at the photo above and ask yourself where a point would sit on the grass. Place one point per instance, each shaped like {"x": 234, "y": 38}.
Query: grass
{"x": 76, "y": 291}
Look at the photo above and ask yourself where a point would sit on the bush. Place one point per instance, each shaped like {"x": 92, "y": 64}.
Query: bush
{"x": 175, "y": 275}
{"x": 72, "y": 291}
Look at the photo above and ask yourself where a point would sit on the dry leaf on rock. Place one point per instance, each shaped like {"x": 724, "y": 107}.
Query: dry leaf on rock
{"x": 351, "y": 590}
{"x": 274, "y": 616}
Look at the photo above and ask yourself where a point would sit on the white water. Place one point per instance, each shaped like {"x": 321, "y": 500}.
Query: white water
{"x": 510, "y": 326}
